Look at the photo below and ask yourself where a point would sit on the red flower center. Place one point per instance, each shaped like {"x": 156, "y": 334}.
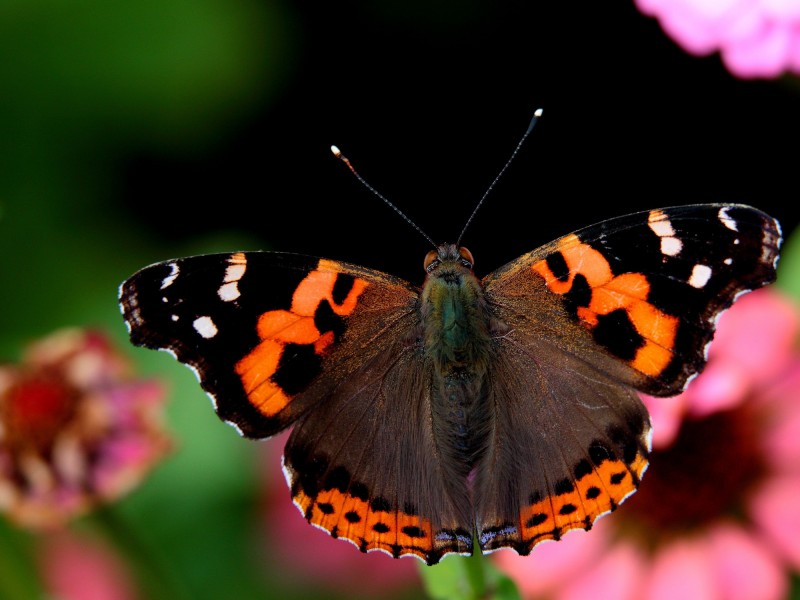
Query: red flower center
{"x": 703, "y": 475}
{"x": 35, "y": 410}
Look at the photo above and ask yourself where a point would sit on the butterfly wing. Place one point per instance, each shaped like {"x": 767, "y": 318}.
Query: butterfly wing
{"x": 280, "y": 338}
{"x": 364, "y": 466}
{"x": 628, "y": 304}
{"x": 646, "y": 287}
{"x": 268, "y": 334}
{"x": 557, "y": 457}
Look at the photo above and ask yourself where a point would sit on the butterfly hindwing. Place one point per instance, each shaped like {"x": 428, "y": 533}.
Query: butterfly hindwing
{"x": 259, "y": 328}
{"x": 568, "y": 444}
{"x": 364, "y": 466}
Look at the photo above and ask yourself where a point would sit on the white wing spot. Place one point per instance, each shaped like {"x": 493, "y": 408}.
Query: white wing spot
{"x": 700, "y": 276}
{"x": 229, "y": 290}
{"x": 235, "y": 271}
{"x": 662, "y": 227}
{"x": 671, "y": 246}
{"x": 726, "y": 220}
{"x": 175, "y": 317}
{"x": 660, "y": 224}
{"x": 173, "y": 275}
{"x": 728, "y": 261}
{"x": 205, "y": 327}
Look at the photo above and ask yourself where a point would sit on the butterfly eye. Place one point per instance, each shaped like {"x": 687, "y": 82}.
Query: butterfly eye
{"x": 466, "y": 257}
{"x": 431, "y": 260}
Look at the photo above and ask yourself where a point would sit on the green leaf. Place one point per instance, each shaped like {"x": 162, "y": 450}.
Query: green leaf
{"x": 789, "y": 267}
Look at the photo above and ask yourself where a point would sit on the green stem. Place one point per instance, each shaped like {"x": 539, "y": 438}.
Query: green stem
{"x": 462, "y": 577}
{"x": 475, "y": 567}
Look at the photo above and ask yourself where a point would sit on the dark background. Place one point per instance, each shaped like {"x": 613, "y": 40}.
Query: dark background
{"x": 428, "y": 103}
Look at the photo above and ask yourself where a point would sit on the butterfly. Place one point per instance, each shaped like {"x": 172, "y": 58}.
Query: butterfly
{"x": 496, "y": 412}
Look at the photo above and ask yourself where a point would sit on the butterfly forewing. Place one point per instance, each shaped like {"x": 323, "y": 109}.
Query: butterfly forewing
{"x": 646, "y": 287}
{"x": 259, "y": 328}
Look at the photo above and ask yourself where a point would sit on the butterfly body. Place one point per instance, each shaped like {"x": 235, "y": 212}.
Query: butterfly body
{"x": 456, "y": 327}
{"x": 502, "y": 409}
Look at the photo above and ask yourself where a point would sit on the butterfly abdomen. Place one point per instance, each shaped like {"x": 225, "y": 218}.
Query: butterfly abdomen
{"x": 457, "y": 340}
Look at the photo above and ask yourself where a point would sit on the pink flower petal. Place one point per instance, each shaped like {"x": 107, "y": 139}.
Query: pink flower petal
{"x": 681, "y": 569}
{"x": 756, "y": 336}
{"x": 618, "y": 575}
{"x": 552, "y": 564}
{"x": 762, "y": 55}
{"x": 753, "y": 346}
{"x": 720, "y": 387}
{"x": 794, "y": 50}
{"x": 780, "y": 395}
{"x": 744, "y": 567}
{"x": 693, "y": 35}
{"x": 781, "y": 440}
{"x": 775, "y": 509}
{"x": 746, "y": 22}
{"x": 666, "y": 415}
{"x": 757, "y": 38}
{"x": 76, "y": 569}
{"x": 788, "y": 10}
{"x": 698, "y": 26}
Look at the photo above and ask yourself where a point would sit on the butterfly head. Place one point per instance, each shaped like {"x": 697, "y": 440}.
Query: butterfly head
{"x": 448, "y": 257}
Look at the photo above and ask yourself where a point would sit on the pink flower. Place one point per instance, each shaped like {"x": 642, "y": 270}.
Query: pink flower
{"x": 717, "y": 514}
{"x": 756, "y": 38}
{"x": 77, "y": 568}
{"x": 75, "y": 429}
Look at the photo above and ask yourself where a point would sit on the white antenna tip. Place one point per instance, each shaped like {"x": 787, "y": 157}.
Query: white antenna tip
{"x": 336, "y": 152}
{"x": 538, "y": 112}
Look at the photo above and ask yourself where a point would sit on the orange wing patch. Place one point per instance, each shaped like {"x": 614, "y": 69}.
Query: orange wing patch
{"x": 576, "y": 503}
{"x": 261, "y": 369}
{"x": 596, "y": 493}
{"x": 368, "y": 525}
{"x": 608, "y": 293}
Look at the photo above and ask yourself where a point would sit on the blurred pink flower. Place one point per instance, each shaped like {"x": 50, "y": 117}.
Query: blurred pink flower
{"x": 717, "y": 514}
{"x": 76, "y": 568}
{"x": 75, "y": 429}
{"x": 310, "y": 557}
{"x": 756, "y": 38}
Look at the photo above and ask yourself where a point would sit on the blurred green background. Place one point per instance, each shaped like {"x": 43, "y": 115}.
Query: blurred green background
{"x": 132, "y": 132}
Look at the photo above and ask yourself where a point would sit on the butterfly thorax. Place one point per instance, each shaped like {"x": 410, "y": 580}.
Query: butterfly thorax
{"x": 456, "y": 337}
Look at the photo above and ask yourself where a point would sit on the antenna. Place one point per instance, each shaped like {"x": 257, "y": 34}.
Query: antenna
{"x": 338, "y": 154}
{"x": 536, "y": 114}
